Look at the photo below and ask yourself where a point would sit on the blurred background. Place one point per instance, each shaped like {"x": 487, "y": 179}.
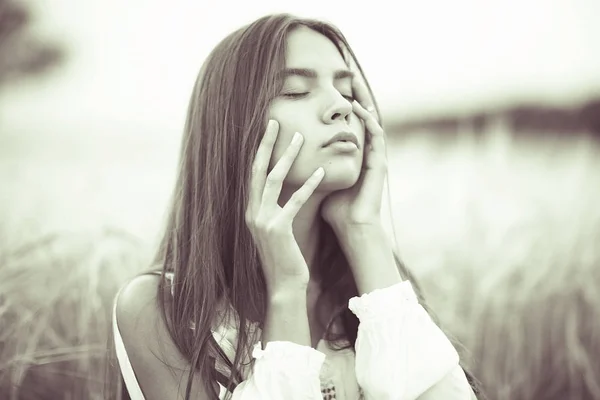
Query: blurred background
{"x": 493, "y": 113}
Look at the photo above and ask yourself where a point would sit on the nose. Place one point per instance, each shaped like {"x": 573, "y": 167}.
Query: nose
{"x": 339, "y": 109}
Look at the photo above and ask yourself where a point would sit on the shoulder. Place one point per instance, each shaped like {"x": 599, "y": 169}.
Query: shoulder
{"x": 138, "y": 292}
{"x": 137, "y": 301}
{"x": 158, "y": 364}
{"x": 138, "y": 315}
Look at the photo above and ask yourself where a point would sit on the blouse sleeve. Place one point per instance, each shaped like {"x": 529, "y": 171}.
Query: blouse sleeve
{"x": 283, "y": 370}
{"x": 401, "y": 353}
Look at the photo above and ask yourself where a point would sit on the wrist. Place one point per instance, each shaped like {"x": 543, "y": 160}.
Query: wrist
{"x": 370, "y": 256}
{"x": 352, "y": 233}
{"x": 287, "y": 317}
{"x": 289, "y": 294}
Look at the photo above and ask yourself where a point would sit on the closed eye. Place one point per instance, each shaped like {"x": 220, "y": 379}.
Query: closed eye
{"x": 294, "y": 95}
{"x": 350, "y": 98}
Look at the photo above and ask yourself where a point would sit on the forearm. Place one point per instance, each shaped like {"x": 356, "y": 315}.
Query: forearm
{"x": 287, "y": 317}
{"x": 395, "y": 329}
{"x": 288, "y": 367}
{"x": 370, "y": 256}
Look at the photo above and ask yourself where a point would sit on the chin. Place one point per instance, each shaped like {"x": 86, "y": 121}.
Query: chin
{"x": 339, "y": 181}
{"x": 335, "y": 179}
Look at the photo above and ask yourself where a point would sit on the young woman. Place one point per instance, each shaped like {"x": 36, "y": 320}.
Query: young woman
{"x": 278, "y": 281}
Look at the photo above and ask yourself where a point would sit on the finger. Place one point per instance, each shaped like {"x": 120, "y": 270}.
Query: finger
{"x": 274, "y": 180}
{"x": 363, "y": 96}
{"x": 301, "y": 196}
{"x": 260, "y": 164}
{"x": 371, "y": 123}
{"x": 377, "y": 136}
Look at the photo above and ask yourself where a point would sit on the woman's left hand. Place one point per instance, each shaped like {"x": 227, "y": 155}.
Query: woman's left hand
{"x": 361, "y": 203}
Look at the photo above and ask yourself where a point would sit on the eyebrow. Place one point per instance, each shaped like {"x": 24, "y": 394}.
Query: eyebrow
{"x": 312, "y": 74}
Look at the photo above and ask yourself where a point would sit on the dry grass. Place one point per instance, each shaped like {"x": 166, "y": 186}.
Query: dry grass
{"x": 55, "y": 312}
{"x": 503, "y": 234}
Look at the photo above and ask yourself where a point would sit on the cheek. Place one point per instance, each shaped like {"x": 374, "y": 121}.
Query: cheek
{"x": 284, "y": 139}
{"x": 278, "y": 150}
{"x": 288, "y": 125}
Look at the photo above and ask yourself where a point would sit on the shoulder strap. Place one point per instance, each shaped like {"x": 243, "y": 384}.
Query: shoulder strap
{"x": 133, "y": 388}
{"x": 222, "y": 378}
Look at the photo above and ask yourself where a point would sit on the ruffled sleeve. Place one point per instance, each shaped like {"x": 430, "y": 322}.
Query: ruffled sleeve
{"x": 283, "y": 370}
{"x": 401, "y": 353}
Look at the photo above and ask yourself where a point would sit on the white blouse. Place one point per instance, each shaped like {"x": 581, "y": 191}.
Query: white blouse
{"x": 400, "y": 354}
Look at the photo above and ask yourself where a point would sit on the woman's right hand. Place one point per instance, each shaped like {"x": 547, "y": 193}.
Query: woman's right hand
{"x": 271, "y": 225}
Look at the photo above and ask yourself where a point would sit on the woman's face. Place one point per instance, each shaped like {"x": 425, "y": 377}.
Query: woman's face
{"x": 318, "y": 105}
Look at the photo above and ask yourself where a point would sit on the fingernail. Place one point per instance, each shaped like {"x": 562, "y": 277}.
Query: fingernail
{"x": 297, "y": 138}
{"x": 371, "y": 108}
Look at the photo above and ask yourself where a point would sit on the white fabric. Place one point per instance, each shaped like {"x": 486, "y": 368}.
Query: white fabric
{"x": 400, "y": 354}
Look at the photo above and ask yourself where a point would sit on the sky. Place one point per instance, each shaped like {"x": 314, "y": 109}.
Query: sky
{"x": 132, "y": 63}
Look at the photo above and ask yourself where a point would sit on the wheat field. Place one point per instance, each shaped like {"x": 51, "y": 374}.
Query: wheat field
{"x": 502, "y": 230}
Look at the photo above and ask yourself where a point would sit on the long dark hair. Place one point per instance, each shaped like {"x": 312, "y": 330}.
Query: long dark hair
{"x": 206, "y": 243}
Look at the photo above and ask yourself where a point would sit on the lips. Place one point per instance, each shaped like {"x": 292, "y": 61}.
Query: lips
{"x": 343, "y": 136}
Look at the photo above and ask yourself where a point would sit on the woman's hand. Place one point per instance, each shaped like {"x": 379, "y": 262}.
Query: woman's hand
{"x": 271, "y": 225}
{"x": 361, "y": 204}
